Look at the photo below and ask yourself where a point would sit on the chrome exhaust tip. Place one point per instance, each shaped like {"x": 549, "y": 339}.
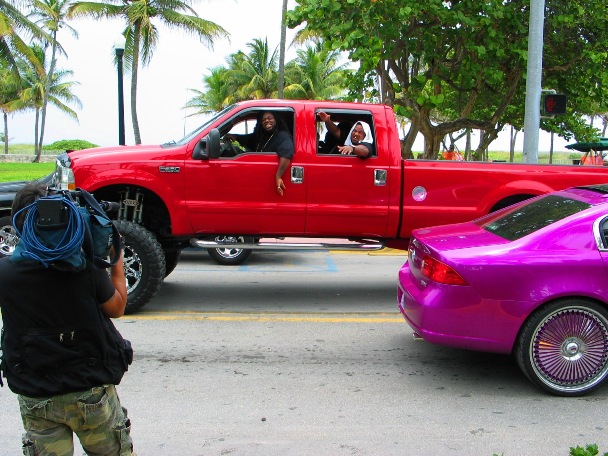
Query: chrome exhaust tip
{"x": 417, "y": 336}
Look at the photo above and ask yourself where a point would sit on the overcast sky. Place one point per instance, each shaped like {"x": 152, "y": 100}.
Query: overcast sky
{"x": 179, "y": 63}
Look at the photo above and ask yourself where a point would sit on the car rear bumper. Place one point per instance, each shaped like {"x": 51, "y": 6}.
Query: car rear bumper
{"x": 454, "y": 316}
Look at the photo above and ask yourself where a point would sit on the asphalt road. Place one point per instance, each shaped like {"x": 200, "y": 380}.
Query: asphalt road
{"x": 306, "y": 354}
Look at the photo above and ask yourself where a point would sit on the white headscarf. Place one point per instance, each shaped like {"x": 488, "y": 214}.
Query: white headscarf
{"x": 368, "y": 134}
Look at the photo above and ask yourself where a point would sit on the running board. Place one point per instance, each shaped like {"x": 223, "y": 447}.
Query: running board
{"x": 207, "y": 244}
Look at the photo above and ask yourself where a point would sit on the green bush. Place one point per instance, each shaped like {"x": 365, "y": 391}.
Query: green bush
{"x": 589, "y": 450}
{"x": 70, "y": 144}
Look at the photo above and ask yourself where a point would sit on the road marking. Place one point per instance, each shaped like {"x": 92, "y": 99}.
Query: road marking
{"x": 386, "y": 251}
{"x": 267, "y": 316}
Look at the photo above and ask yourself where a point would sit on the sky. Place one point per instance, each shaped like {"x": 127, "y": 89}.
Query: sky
{"x": 179, "y": 63}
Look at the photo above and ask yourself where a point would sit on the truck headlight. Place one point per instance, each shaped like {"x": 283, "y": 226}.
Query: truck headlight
{"x": 63, "y": 177}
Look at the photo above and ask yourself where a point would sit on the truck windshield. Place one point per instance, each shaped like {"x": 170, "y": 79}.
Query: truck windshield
{"x": 528, "y": 218}
{"x": 193, "y": 134}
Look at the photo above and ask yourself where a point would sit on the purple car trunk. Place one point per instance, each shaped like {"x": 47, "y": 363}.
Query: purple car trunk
{"x": 506, "y": 281}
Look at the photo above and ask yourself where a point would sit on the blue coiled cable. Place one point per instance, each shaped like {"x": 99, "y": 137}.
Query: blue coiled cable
{"x": 70, "y": 243}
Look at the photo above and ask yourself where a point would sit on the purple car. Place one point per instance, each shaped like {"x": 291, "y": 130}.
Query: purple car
{"x": 530, "y": 280}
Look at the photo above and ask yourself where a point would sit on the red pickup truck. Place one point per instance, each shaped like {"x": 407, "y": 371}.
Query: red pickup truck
{"x": 204, "y": 191}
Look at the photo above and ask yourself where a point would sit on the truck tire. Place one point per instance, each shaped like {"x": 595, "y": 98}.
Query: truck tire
{"x": 144, "y": 263}
{"x": 171, "y": 259}
{"x": 8, "y": 237}
{"x": 230, "y": 257}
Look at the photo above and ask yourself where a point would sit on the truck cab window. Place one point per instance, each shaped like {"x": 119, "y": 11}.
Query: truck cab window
{"x": 257, "y": 131}
{"x": 339, "y": 133}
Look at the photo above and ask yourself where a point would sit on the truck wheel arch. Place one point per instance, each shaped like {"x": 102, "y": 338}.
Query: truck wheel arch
{"x": 108, "y": 185}
{"x": 157, "y": 216}
{"x": 511, "y": 193}
{"x": 509, "y": 200}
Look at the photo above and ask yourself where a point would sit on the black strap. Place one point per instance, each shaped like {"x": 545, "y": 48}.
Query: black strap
{"x": 88, "y": 241}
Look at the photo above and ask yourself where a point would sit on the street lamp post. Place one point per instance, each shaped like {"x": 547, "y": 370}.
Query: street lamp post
{"x": 119, "y": 48}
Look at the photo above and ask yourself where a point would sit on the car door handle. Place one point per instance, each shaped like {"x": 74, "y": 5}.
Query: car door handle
{"x": 297, "y": 174}
{"x": 380, "y": 177}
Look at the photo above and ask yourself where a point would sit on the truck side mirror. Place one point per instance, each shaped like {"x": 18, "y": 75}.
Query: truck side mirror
{"x": 208, "y": 147}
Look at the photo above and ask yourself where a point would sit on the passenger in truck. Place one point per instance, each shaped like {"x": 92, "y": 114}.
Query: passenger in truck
{"x": 360, "y": 141}
{"x": 336, "y": 135}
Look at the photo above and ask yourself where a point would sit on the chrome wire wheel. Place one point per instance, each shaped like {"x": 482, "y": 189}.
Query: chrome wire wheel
{"x": 567, "y": 352}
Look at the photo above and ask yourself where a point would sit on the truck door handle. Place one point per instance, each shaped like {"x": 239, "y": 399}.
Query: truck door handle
{"x": 380, "y": 177}
{"x": 297, "y": 174}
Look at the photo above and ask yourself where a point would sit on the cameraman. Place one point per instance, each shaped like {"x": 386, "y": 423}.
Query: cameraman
{"x": 57, "y": 356}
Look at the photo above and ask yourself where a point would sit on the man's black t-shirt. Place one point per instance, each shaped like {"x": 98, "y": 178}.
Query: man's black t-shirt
{"x": 30, "y": 292}
{"x": 369, "y": 147}
{"x": 280, "y": 142}
{"x": 52, "y": 340}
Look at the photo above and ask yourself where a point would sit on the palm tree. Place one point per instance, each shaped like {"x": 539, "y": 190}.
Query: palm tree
{"x": 255, "y": 74}
{"x": 142, "y": 35}
{"x": 34, "y": 90}
{"x": 50, "y": 14}
{"x": 315, "y": 74}
{"x": 218, "y": 95}
{"x": 10, "y": 86}
{"x": 12, "y": 46}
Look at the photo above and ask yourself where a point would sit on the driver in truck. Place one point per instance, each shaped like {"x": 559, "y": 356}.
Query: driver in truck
{"x": 270, "y": 134}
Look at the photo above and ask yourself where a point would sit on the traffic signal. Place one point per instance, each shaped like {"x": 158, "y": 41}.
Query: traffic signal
{"x": 554, "y": 103}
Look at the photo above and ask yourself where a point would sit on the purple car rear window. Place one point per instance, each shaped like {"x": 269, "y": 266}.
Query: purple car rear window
{"x": 528, "y": 218}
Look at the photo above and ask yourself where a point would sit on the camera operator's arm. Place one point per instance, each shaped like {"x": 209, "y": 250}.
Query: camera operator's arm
{"x": 115, "y": 306}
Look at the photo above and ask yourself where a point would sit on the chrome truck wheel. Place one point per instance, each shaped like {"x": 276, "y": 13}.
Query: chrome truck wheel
{"x": 144, "y": 264}
{"x": 8, "y": 237}
{"x": 230, "y": 256}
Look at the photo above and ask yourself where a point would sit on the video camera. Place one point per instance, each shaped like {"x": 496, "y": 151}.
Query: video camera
{"x": 65, "y": 228}
{"x": 53, "y": 212}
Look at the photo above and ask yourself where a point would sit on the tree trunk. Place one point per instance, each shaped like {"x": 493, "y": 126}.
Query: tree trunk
{"x": 281, "y": 73}
{"x": 5, "y": 115}
{"x": 512, "y": 144}
{"x": 487, "y": 137}
{"x": 45, "y": 95}
{"x": 432, "y": 138}
{"x": 36, "y": 157}
{"x": 408, "y": 142}
{"x": 432, "y": 143}
{"x": 134, "y": 68}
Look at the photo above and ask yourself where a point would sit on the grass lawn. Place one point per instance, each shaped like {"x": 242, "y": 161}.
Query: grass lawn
{"x": 10, "y": 172}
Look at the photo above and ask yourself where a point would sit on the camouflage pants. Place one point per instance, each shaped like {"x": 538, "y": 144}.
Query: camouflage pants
{"x": 95, "y": 416}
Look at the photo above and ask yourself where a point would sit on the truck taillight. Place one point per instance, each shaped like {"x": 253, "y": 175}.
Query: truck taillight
{"x": 440, "y": 272}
